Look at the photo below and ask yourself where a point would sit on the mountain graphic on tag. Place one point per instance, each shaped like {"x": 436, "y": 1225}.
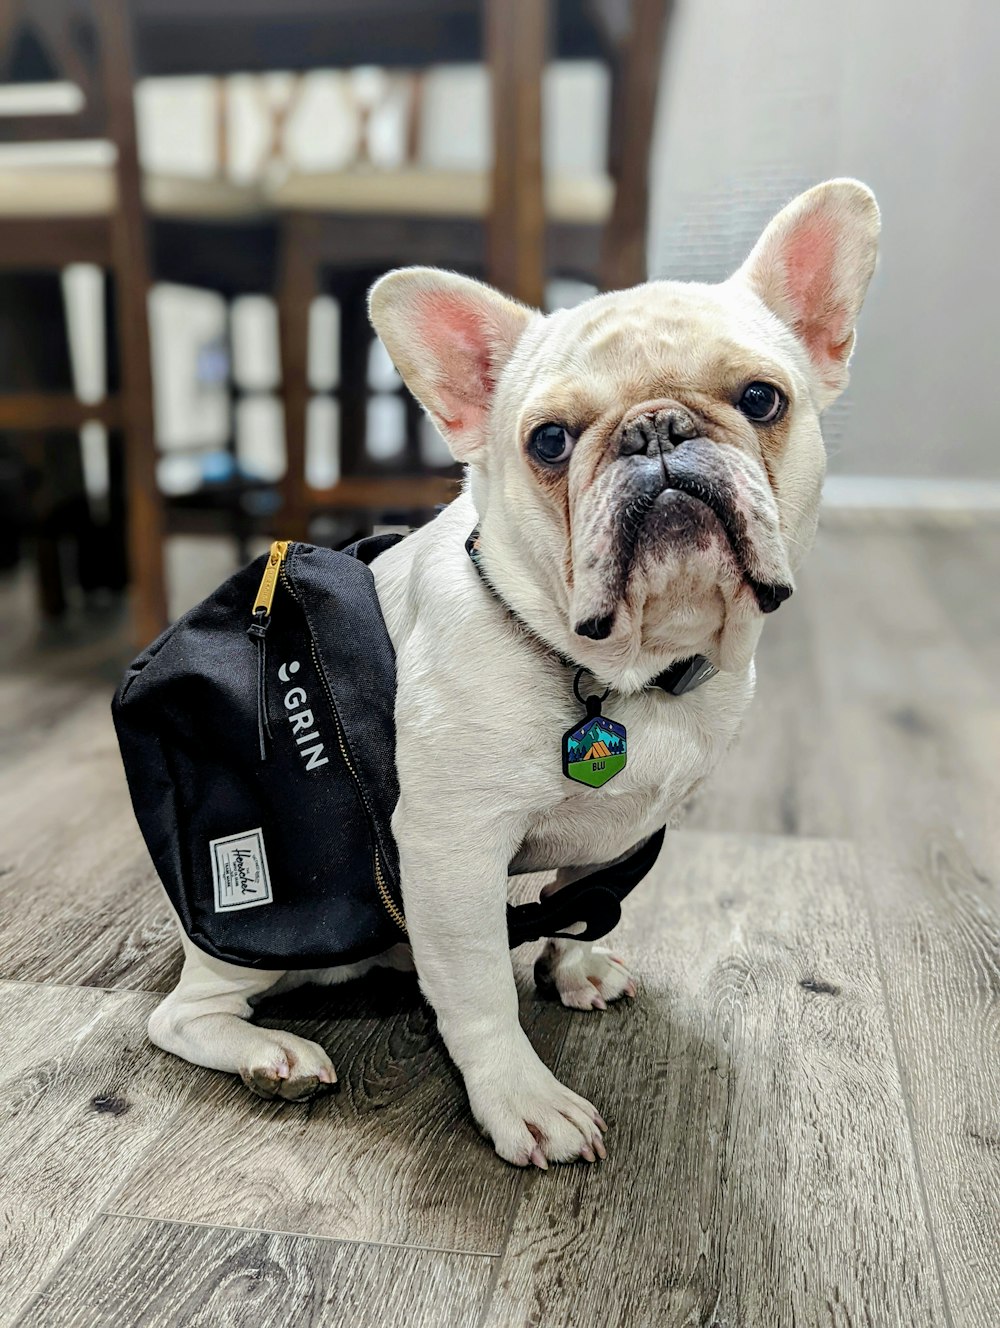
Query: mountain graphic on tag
{"x": 594, "y": 751}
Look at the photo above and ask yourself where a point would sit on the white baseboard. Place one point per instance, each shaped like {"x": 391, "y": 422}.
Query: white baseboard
{"x": 877, "y": 492}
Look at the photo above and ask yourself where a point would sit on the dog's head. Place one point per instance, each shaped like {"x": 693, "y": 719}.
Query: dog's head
{"x": 646, "y": 466}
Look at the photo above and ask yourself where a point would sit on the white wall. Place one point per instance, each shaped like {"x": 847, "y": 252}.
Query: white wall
{"x": 764, "y": 97}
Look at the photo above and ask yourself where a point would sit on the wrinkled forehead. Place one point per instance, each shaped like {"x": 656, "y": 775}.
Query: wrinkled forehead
{"x": 656, "y": 340}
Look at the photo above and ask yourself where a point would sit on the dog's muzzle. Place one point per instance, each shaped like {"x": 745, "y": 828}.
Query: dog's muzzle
{"x": 659, "y": 432}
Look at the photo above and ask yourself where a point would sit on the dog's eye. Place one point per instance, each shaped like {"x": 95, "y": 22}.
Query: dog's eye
{"x": 761, "y": 403}
{"x": 551, "y": 443}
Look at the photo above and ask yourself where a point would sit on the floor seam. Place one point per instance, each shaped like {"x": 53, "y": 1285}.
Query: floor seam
{"x": 299, "y": 1235}
{"x": 81, "y": 986}
{"x": 70, "y": 1249}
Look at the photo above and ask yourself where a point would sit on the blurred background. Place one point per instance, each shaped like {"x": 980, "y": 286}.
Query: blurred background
{"x": 195, "y": 196}
{"x": 241, "y": 170}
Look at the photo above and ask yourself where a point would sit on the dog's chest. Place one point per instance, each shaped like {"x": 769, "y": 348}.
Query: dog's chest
{"x": 672, "y": 745}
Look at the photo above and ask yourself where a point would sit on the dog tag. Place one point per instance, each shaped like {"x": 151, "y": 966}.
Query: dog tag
{"x": 595, "y": 750}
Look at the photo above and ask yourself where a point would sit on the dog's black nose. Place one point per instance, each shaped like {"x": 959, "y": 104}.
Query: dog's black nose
{"x": 658, "y": 431}
{"x": 598, "y": 629}
{"x": 770, "y": 597}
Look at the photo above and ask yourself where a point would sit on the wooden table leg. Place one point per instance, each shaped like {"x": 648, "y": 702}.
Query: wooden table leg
{"x": 296, "y": 289}
{"x": 636, "y": 83}
{"x": 516, "y": 42}
{"x": 146, "y": 526}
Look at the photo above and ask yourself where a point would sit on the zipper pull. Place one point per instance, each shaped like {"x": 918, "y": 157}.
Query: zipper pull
{"x": 265, "y": 593}
{"x": 257, "y": 631}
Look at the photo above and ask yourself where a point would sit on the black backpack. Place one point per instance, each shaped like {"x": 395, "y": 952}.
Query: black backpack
{"x": 258, "y": 739}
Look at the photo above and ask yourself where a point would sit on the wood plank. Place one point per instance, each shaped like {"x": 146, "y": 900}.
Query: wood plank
{"x": 47, "y": 243}
{"x": 80, "y": 899}
{"x": 779, "y": 776}
{"x": 959, "y": 560}
{"x": 354, "y": 493}
{"x": 393, "y": 1157}
{"x": 881, "y": 631}
{"x": 917, "y": 773}
{"x": 160, "y": 1274}
{"x": 939, "y": 933}
{"x": 81, "y": 1099}
{"x": 760, "y": 1167}
{"x": 886, "y": 636}
{"x": 33, "y": 411}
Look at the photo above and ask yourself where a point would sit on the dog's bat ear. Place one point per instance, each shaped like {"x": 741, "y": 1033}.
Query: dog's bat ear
{"x": 812, "y": 266}
{"x": 450, "y": 338}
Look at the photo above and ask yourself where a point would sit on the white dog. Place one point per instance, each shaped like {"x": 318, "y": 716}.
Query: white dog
{"x": 645, "y": 473}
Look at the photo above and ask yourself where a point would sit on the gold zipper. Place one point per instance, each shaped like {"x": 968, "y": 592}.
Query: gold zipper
{"x": 383, "y": 889}
{"x": 265, "y": 593}
{"x": 387, "y": 900}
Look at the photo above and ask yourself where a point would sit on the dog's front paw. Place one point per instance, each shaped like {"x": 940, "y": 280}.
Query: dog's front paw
{"x": 535, "y": 1120}
{"x": 586, "y": 977}
{"x": 289, "y": 1067}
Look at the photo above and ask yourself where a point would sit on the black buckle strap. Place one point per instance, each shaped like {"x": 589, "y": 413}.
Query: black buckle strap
{"x": 368, "y": 548}
{"x": 595, "y": 900}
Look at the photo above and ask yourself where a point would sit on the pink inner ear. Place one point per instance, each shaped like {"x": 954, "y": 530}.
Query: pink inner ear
{"x": 810, "y": 256}
{"x": 456, "y": 334}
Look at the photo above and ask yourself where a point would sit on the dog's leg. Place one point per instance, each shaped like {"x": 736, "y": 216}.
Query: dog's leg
{"x": 455, "y": 896}
{"x": 584, "y": 975}
{"x": 205, "y": 1021}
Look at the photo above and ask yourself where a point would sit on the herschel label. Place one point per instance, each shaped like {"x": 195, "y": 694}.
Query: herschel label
{"x": 239, "y": 870}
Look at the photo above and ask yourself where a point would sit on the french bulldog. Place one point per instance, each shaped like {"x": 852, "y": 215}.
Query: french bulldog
{"x": 644, "y": 471}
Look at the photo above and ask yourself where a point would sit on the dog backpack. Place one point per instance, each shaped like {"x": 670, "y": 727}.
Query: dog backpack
{"x": 258, "y": 738}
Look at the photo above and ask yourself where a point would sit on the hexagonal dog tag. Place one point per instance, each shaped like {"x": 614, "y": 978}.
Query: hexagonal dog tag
{"x": 594, "y": 751}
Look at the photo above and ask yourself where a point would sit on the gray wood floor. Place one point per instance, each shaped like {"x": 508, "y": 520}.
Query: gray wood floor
{"x": 804, "y": 1101}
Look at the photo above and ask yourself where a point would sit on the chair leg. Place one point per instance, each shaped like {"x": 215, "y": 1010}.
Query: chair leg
{"x": 50, "y": 582}
{"x": 298, "y": 284}
{"x": 634, "y": 90}
{"x": 145, "y": 525}
{"x": 355, "y": 340}
{"x": 517, "y": 35}
{"x": 241, "y": 526}
{"x": 130, "y": 264}
{"x": 145, "y": 518}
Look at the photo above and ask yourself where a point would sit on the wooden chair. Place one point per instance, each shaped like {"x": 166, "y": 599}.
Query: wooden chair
{"x": 51, "y": 218}
{"x": 135, "y": 225}
{"x": 514, "y": 226}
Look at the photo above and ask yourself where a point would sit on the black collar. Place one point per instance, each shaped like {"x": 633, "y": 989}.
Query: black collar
{"x": 682, "y": 676}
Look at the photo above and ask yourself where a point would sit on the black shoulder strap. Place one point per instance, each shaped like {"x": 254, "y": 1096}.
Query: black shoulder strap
{"x": 595, "y": 900}
{"x": 366, "y": 550}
